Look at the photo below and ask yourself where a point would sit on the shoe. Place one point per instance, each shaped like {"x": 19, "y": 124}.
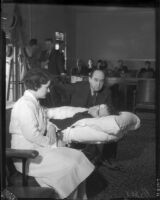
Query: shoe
{"x": 113, "y": 165}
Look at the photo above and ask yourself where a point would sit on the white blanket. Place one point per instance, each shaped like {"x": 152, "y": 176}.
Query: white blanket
{"x": 104, "y": 129}
{"x": 94, "y": 130}
{"x": 111, "y": 124}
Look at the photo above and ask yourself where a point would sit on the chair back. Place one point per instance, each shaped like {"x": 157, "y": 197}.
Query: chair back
{"x": 146, "y": 91}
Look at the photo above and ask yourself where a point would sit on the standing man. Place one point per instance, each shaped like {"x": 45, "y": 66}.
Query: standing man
{"x": 91, "y": 93}
{"x": 52, "y": 59}
{"x": 32, "y": 52}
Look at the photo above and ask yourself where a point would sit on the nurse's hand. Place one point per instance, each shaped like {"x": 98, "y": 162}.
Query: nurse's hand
{"x": 51, "y": 134}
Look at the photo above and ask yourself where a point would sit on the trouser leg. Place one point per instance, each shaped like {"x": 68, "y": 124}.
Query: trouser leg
{"x": 82, "y": 191}
{"x": 110, "y": 151}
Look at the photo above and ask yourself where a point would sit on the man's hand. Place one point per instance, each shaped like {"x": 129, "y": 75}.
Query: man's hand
{"x": 51, "y": 134}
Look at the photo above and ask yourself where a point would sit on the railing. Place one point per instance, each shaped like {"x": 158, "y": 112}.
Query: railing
{"x": 65, "y": 79}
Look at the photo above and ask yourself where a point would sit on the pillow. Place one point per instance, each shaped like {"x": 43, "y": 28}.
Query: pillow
{"x": 127, "y": 121}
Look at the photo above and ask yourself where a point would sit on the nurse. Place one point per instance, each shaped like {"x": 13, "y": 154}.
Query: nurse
{"x": 62, "y": 168}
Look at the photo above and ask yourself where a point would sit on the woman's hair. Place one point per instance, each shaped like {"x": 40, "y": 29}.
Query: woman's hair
{"x": 36, "y": 77}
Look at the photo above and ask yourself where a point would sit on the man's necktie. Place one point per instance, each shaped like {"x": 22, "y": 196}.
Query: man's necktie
{"x": 94, "y": 97}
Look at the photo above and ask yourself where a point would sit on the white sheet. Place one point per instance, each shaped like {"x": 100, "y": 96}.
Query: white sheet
{"x": 94, "y": 130}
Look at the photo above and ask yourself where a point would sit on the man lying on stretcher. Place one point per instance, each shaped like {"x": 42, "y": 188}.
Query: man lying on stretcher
{"x": 96, "y": 124}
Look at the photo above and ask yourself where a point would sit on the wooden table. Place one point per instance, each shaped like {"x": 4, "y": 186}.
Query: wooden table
{"x": 124, "y": 84}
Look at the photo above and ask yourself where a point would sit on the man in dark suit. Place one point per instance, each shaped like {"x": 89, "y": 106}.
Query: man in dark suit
{"x": 52, "y": 59}
{"x": 91, "y": 93}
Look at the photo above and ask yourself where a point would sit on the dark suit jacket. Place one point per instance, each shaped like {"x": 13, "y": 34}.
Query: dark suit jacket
{"x": 80, "y": 92}
{"x": 56, "y": 61}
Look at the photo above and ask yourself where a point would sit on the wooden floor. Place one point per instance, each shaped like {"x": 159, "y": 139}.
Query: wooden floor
{"x": 137, "y": 153}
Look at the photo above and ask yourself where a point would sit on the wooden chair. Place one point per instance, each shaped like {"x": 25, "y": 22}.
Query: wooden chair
{"x": 144, "y": 96}
{"x": 22, "y": 185}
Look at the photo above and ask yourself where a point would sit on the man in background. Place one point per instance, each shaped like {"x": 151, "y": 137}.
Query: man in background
{"x": 52, "y": 59}
{"x": 32, "y": 52}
